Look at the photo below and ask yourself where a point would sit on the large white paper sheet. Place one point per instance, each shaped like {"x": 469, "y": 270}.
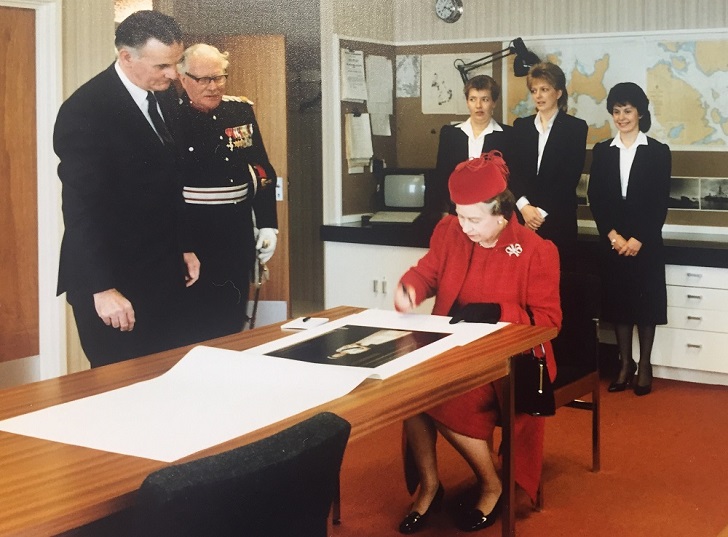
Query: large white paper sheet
{"x": 214, "y": 395}
{"x": 458, "y": 334}
{"x": 211, "y": 396}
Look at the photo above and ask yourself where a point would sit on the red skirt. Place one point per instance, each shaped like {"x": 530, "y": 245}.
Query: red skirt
{"x": 476, "y": 413}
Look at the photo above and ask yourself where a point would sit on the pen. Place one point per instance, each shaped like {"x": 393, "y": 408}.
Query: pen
{"x": 404, "y": 290}
{"x": 305, "y": 319}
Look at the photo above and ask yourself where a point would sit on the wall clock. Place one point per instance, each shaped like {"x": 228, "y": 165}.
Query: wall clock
{"x": 449, "y": 10}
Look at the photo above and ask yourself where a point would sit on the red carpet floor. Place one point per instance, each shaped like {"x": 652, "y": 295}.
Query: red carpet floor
{"x": 664, "y": 472}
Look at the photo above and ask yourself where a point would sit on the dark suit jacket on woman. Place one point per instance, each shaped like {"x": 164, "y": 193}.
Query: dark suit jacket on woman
{"x": 634, "y": 287}
{"x": 553, "y": 188}
{"x": 452, "y": 149}
{"x": 121, "y": 208}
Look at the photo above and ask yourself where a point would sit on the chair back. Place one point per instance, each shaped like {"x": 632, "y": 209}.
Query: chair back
{"x": 575, "y": 348}
{"x": 280, "y": 486}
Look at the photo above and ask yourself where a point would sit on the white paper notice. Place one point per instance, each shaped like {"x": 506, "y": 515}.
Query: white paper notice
{"x": 353, "y": 81}
{"x": 380, "y": 85}
{"x": 358, "y": 133}
{"x": 211, "y": 396}
{"x": 380, "y": 125}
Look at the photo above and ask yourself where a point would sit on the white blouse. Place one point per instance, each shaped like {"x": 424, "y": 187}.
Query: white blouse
{"x": 475, "y": 144}
{"x": 626, "y": 158}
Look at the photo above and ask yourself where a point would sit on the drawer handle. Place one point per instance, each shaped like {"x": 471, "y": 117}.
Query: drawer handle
{"x": 695, "y": 297}
{"x": 694, "y": 346}
{"x": 694, "y": 318}
{"x": 694, "y": 275}
{"x": 375, "y": 286}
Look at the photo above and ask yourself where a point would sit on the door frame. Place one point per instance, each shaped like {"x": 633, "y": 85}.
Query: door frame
{"x": 49, "y": 95}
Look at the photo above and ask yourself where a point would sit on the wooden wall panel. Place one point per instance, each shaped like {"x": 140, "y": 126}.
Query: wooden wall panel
{"x": 18, "y": 180}
{"x": 258, "y": 71}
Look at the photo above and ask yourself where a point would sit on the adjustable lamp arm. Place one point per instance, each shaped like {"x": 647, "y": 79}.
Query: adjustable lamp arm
{"x": 524, "y": 59}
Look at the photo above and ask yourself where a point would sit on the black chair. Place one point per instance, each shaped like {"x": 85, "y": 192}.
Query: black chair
{"x": 576, "y": 350}
{"x": 281, "y": 486}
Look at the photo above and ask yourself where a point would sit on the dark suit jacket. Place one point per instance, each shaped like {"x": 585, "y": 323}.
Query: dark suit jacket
{"x": 553, "y": 188}
{"x": 634, "y": 287}
{"x": 121, "y": 198}
{"x": 452, "y": 149}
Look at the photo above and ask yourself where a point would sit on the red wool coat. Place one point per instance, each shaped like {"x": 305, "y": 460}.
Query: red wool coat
{"x": 522, "y": 272}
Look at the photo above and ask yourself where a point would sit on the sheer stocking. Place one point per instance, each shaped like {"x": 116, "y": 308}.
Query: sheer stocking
{"x": 624, "y": 344}
{"x": 647, "y": 337}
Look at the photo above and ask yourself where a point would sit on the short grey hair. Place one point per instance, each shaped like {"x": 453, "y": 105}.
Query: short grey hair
{"x": 202, "y": 50}
{"x": 502, "y": 204}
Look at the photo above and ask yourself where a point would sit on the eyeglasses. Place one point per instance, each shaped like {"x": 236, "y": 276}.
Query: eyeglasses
{"x": 205, "y": 80}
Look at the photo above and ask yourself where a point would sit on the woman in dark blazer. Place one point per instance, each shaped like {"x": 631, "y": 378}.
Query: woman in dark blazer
{"x": 550, "y": 147}
{"x": 629, "y": 187}
{"x": 479, "y": 134}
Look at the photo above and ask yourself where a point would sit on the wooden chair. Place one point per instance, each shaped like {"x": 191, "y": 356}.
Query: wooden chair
{"x": 282, "y": 485}
{"x": 576, "y": 350}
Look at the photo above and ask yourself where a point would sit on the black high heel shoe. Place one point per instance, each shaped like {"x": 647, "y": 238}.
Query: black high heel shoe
{"x": 475, "y": 520}
{"x": 415, "y": 521}
{"x": 643, "y": 389}
{"x": 617, "y": 386}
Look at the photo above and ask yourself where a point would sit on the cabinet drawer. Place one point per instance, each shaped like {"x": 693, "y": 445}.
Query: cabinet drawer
{"x": 688, "y": 349}
{"x": 697, "y": 298}
{"x": 711, "y": 277}
{"x": 696, "y": 319}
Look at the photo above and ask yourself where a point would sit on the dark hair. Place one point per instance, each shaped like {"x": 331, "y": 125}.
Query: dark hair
{"x": 482, "y": 82}
{"x": 504, "y": 204}
{"x": 141, "y": 26}
{"x": 630, "y": 93}
{"x": 551, "y": 73}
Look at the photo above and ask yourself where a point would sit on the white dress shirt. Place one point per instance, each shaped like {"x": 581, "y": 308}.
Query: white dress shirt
{"x": 139, "y": 95}
{"x": 475, "y": 143}
{"x": 626, "y": 158}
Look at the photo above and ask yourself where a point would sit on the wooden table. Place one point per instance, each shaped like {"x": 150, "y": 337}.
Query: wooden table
{"x": 48, "y": 488}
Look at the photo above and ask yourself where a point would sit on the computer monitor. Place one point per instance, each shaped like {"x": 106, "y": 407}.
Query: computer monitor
{"x": 402, "y": 189}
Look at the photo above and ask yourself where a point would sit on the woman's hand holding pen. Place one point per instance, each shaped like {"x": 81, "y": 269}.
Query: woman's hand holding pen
{"x": 404, "y": 298}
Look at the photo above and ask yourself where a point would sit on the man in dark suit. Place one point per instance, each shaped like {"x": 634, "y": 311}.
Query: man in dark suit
{"x": 124, "y": 261}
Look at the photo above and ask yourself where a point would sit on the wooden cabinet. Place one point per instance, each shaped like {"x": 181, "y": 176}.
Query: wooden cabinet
{"x": 696, "y": 336}
{"x": 365, "y": 275}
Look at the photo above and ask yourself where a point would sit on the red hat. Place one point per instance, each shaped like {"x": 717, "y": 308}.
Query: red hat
{"x": 478, "y": 179}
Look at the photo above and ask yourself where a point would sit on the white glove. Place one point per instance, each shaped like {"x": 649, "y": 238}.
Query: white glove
{"x": 266, "y": 245}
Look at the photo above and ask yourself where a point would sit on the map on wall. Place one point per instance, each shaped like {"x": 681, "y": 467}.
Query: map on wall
{"x": 685, "y": 78}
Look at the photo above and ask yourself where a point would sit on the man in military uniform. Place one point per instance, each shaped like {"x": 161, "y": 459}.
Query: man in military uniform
{"x": 229, "y": 190}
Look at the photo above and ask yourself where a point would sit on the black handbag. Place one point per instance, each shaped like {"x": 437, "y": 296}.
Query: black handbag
{"x": 534, "y": 393}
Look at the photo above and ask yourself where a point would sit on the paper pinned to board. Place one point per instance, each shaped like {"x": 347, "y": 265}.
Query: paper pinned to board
{"x": 358, "y": 134}
{"x": 353, "y": 79}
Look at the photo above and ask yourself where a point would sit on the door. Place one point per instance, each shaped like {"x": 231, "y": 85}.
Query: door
{"x": 19, "y": 337}
{"x": 258, "y": 71}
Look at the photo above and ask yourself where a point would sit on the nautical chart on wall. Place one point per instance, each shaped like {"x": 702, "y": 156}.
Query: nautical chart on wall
{"x": 684, "y": 76}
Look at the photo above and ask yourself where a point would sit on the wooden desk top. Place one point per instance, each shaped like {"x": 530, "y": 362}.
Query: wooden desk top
{"x": 49, "y": 488}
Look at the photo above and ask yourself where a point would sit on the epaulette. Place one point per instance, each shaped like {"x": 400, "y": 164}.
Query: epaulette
{"x": 240, "y": 99}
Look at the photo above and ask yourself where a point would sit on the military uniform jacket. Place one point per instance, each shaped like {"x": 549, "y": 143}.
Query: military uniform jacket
{"x": 228, "y": 184}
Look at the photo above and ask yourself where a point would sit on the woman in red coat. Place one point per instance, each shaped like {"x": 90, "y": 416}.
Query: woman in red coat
{"x": 482, "y": 266}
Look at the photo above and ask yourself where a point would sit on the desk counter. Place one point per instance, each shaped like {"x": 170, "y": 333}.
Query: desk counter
{"x": 683, "y": 248}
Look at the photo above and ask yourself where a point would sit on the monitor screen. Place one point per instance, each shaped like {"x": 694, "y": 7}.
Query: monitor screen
{"x": 403, "y": 190}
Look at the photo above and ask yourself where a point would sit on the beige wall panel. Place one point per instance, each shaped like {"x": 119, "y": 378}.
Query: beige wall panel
{"x": 88, "y": 48}
{"x": 414, "y": 20}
